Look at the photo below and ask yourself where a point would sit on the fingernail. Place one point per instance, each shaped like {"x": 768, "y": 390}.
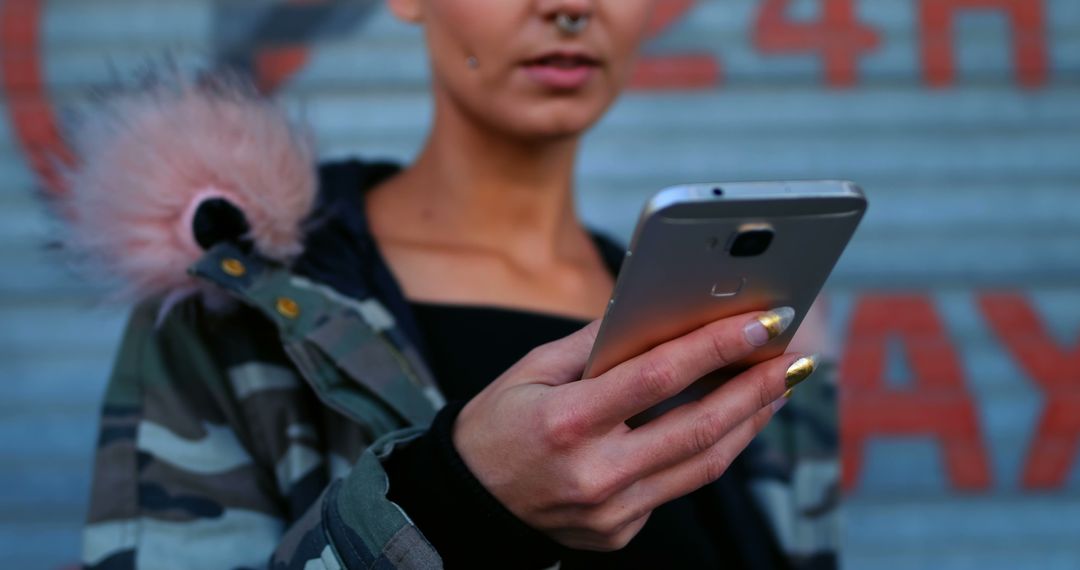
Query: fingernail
{"x": 800, "y": 370}
{"x": 782, "y": 401}
{"x": 769, "y": 325}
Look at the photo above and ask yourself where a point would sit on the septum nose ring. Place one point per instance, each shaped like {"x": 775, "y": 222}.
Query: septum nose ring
{"x": 571, "y": 24}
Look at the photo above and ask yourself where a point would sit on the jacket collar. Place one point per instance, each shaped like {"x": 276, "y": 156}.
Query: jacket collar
{"x": 340, "y": 251}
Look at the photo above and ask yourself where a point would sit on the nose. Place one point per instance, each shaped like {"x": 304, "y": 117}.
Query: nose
{"x": 549, "y": 9}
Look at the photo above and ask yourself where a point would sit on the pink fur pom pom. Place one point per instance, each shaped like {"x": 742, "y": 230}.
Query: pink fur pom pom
{"x": 148, "y": 155}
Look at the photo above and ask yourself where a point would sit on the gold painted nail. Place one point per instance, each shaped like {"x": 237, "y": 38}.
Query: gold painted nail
{"x": 787, "y": 395}
{"x": 769, "y": 325}
{"x": 288, "y": 308}
{"x": 800, "y": 370}
{"x": 777, "y": 321}
{"x": 233, "y": 267}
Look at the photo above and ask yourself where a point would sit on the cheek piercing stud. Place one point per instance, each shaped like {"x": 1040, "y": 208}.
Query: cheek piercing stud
{"x": 472, "y": 62}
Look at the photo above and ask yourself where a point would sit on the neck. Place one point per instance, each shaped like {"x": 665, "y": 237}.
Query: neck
{"x": 476, "y": 187}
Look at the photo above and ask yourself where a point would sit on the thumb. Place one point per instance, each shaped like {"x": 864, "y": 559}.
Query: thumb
{"x": 563, "y": 361}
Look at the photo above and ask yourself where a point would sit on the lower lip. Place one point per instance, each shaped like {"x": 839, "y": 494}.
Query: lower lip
{"x": 562, "y": 78}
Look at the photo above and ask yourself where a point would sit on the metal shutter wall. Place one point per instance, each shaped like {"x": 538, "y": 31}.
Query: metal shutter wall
{"x": 960, "y": 118}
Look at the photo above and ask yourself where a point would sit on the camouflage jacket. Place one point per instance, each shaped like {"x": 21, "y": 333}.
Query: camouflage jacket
{"x": 253, "y": 436}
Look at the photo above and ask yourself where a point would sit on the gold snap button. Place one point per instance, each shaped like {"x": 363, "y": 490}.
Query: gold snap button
{"x": 233, "y": 267}
{"x": 288, "y": 308}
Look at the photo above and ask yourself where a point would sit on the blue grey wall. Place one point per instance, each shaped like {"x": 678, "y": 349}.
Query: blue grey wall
{"x": 972, "y": 170}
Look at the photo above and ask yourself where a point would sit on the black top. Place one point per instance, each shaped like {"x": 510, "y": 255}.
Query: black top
{"x": 471, "y": 346}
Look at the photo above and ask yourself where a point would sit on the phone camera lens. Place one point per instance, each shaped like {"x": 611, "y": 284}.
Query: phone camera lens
{"x": 718, "y": 191}
{"x": 751, "y": 242}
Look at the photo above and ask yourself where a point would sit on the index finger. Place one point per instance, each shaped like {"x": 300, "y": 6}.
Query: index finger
{"x": 692, "y": 429}
{"x": 650, "y": 378}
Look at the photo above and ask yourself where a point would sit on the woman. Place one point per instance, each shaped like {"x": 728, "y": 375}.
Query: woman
{"x": 299, "y": 423}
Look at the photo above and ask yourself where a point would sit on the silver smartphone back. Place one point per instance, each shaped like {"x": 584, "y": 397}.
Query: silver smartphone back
{"x": 694, "y": 259}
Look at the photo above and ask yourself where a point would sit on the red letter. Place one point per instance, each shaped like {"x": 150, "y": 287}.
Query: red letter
{"x": 937, "y": 403}
{"x": 1057, "y": 372}
{"x": 838, "y": 36}
{"x": 674, "y": 71}
{"x": 1029, "y": 39}
{"x": 274, "y": 65}
{"x": 23, "y": 83}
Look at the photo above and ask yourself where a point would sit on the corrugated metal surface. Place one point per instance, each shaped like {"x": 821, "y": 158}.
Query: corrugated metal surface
{"x": 974, "y": 189}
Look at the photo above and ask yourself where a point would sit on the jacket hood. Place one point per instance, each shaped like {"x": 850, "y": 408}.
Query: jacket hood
{"x": 169, "y": 166}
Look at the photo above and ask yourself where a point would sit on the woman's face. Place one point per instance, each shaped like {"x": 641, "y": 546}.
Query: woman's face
{"x": 506, "y": 65}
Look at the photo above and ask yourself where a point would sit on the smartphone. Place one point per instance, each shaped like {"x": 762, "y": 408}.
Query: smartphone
{"x": 702, "y": 252}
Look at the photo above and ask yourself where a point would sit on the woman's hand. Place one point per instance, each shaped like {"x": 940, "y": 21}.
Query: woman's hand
{"x": 558, "y": 454}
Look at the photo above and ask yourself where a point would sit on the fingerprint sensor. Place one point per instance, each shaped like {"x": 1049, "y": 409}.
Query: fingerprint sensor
{"x": 728, "y": 287}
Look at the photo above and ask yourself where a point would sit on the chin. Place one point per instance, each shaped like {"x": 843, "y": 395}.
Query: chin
{"x": 560, "y": 120}
{"x": 553, "y": 130}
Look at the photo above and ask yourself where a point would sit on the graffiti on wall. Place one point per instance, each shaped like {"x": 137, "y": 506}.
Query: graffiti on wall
{"x": 937, "y": 401}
